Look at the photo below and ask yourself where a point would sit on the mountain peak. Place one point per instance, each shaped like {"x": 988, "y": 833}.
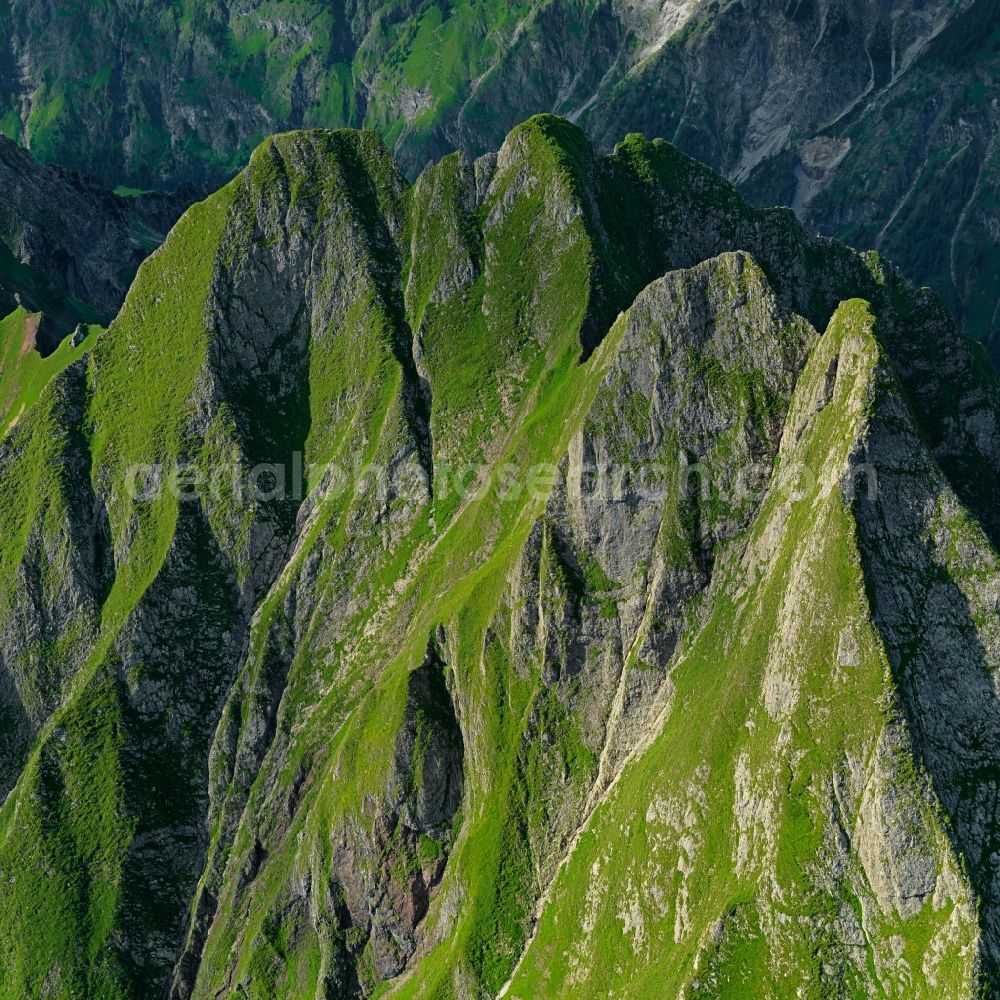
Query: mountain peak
{"x": 395, "y": 545}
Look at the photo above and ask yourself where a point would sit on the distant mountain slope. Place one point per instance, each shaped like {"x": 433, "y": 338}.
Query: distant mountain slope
{"x": 68, "y": 248}
{"x": 876, "y": 121}
{"x": 696, "y": 697}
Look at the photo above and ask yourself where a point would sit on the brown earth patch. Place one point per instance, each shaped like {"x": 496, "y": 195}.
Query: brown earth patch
{"x": 30, "y": 334}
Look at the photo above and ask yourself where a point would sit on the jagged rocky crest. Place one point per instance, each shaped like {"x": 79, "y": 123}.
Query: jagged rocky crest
{"x": 730, "y": 733}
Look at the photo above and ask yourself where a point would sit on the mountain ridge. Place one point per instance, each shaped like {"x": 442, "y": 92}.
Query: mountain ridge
{"x": 337, "y": 740}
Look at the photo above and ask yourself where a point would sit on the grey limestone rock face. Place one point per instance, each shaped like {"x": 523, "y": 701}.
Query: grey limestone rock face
{"x": 388, "y": 876}
{"x": 684, "y": 427}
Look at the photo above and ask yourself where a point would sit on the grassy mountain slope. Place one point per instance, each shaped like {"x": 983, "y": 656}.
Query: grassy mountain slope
{"x": 23, "y": 370}
{"x": 336, "y": 739}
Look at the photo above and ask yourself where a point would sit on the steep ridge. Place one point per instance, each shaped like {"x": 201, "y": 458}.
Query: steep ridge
{"x": 340, "y": 729}
{"x": 187, "y": 573}
{"x": 799, "y": 842}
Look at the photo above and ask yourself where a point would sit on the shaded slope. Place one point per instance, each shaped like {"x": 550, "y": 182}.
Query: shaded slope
{"x": 68, "y": 248}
